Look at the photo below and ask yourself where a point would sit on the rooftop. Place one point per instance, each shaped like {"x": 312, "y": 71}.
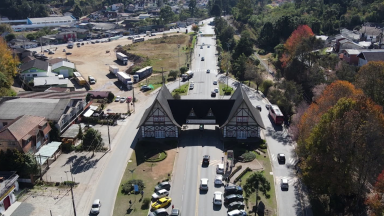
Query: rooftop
{"x": 63, "y": 64}
{"x": 36, "y": 63}
{"x": 22, "y": 126}
{"x": 71, "y": 132}
{"x": 50, "y": 19}
{"x": 52, "y": 109}
{"x": 52, "y": 80}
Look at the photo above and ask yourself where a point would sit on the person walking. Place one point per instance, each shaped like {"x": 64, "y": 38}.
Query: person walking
{"x": 173, "y": 206}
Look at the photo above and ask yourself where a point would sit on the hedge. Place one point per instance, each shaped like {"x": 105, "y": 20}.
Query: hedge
{"x": 145, "y": 204}
{"x": 242, "y": 174}
{"x": 235, "y": 171}
{"x": 249, "y": 156}
{"x": 128, "y": 186}
{"x": 162, "y": 156}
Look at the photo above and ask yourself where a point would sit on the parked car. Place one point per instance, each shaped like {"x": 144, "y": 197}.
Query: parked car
{"x": 175, "y": 212}
{"x": 96, "y": 207}
{"x": 204, "y": 184}
{"x": 235, "y": 205}
{"x": 216, "y": 90}
{"x": 237, "y": 212}
{"x": 123, "y": 99}
{"x": 92, "y": 42}
{"x": 51, "y": 52}
{"x": 206, "y": 159}
{"x": 161, "y": 203}
{"x": 213, "y": 94}
{"x": 160, "y": 193}
{"x": 163, "y": 185}
{"x": 220, "y": 168}
{"x": 159, "y": 212}
{"x": 191, "y": 86}
{"x": 233, "y": 189}
{"x": 233, "y": 198}
{"x": 117, "y": 99}
{"x": 91, "y": 80}
{"x": 215, "y": 82}
{"x": 145, "y": 88}
{"x": 217, "y": 198}
{"x": 208, "y": 71}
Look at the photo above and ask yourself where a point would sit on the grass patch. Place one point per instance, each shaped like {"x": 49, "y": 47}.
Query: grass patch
{"x": 183, "y": 90}
{"x": 149, "y": 172}
{"x": 222, "y": 86}
{"x": 155, "y": 80}
{"x": 162, "y": 52}
{"x": 271, "y": 202}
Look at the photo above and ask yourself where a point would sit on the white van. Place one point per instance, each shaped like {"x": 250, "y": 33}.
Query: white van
{"x": 220, "y": 168}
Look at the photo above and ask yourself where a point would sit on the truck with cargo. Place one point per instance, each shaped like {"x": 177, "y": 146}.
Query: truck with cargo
{"x": 121, "y": 57}
{"x": 79, "y": 79}
{"x": 125, "y": 79}
{"x": 188, "y": 75}
{"x": 113, "y": 69}
{"x": 142, "y": 73}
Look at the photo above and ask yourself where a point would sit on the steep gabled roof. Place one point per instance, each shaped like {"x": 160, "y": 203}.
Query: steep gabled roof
{"x": 240, "y": 96}
{"x": 162, "y": 98}
{"x": 36, "y": 63}
{"x": 372, "y": 55}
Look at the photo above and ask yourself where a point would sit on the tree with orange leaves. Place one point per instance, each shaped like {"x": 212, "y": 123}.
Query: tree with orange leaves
{"x": 299, "y": 45}
{"x": 328, "y": 98}
{"x": 8, "y": 69}
{"x": 374, "y": 200}
{"x": 344, "y": 150}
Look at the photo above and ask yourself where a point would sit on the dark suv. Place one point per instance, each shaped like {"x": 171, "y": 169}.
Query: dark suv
{"x": 233, "y": 189}
{"x": 233, "y": 198}
{"x": 236, "y": 205}
{"x": 206, "y": 159}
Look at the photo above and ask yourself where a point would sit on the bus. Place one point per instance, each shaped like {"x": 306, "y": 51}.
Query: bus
{"x": 276, "y": 114}
{"x": 138, "y": 40}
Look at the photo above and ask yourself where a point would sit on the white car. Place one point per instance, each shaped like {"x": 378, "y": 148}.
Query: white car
{"x": 284, "y": 183}
{"x": 96, "y": 207}
{"x": 220, "y": 168}
{"x": 237, "y": 212}
{"x": 217, "y": 198}
{"x": 159, "y": 194}
{"x": 117, "y": 99}
{"x": 204, "y": 184}
{"x": 215, "y": 82}
{"x": 123, "y": 99}
{"x": 219, "y": 180}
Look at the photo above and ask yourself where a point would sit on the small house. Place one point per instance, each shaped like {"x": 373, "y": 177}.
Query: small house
{"x": 64, "y": 68}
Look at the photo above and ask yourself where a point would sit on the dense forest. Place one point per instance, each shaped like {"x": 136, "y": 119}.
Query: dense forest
{"x": 333, "y": 110}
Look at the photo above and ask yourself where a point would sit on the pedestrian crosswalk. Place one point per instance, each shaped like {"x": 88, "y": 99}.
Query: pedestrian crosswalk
{"x": 288, "y": 161}
{"x": 291, "y": 180}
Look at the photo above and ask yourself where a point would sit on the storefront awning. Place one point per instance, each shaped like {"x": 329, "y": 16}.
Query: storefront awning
{"x": 46, "y": 152}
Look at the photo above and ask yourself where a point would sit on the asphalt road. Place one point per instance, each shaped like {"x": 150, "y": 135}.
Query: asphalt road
{"x": 194, "y": 144}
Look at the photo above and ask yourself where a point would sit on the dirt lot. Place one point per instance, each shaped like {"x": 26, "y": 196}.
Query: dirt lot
{"x": 93, "y": 60}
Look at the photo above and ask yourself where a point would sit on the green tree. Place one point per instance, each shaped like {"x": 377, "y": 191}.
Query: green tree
{"x": 92, "y": 140}
{"x": 244, "y": 46}
{"x": 183, "y": 69}
{"x": 111, "y": 96}
{"x": 10, "y": 37}
{"x": 257, "y": 182}
{"x": 23, "y": 163}
{"x": 77, "y": 11}
{"x": 238, "y": 66}
{"x": 80, "y": 134}
{"x": 5, "y": 28}
{"x": 370, "y": 78}
{"x": 173, "y": 73}
{"x": 8, "y": 69}
{"x": 166, "y": 14}
{"x": 192, "y": 7}
{"x": 195, "y": 28}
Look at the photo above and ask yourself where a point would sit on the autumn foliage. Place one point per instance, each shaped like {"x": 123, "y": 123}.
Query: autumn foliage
{"x": 329, "y": 98}
{"x": 370, "y": 78}
{"x": 374, "y": 200}
{"x": 8, "y": 69}
{"x": 294, "y": 41}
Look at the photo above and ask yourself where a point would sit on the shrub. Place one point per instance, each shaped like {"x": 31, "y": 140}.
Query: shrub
{"x": 263, "y": 146}
{"x": 79, "y": 148}
{"x": 266, "y": 85}
{"x": 249, "y": 156}
{"x": 67, "y": 147}
{"x": 145, "y": 204}
{"x": 242, "y": 174}
{"x": 128, "y": 186}
{"x": 161, "y": 157}
{"x": 235, "y": 171}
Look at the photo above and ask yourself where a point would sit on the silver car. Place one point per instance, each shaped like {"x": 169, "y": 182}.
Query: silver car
{"x": 96, "y": 207}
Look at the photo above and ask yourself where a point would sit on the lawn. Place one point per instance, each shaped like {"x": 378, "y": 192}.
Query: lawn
{"x": 163, "y": 52}
{"x": 149, "y": 172}
{"x": 154, "y": 80}
{"x": 183, "y": 88}
{"x": 221, "y": 86}
{"x": 271, "y": 202}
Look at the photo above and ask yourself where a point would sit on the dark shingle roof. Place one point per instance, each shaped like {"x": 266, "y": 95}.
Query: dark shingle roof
{"x": 36, "y": 63}
{"x": 223, "y": 110}
{"x": 372, "y": 55}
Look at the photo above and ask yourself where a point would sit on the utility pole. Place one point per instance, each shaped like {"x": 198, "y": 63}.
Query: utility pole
{"x": 133, "y": 98}
{"x": 162, "y": 75}
{"x": 178, "y": 61}
{"x": 73, "y": 199}
{"x": 109, "y": 138}
{"x": 228, "y": 45}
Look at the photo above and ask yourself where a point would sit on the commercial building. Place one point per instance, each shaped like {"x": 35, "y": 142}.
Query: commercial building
{"x": 42, "y": 22}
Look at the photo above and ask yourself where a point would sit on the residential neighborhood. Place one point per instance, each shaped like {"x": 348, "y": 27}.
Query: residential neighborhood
{"x": 191, "y": 108}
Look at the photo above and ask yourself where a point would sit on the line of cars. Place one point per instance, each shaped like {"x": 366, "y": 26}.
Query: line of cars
{"x": 232, "y": 196}
{"x": 161, "y": 200}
